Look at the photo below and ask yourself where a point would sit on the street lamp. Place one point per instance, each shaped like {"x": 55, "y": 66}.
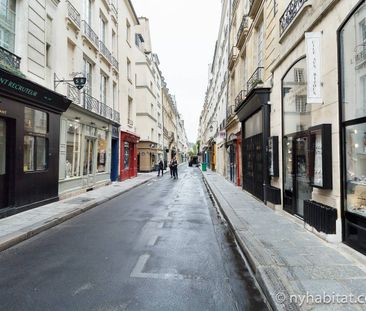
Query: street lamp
{"x": 211, "y": 126}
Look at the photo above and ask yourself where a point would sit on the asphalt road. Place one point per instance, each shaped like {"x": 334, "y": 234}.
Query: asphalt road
{"x": 161, "y": 246}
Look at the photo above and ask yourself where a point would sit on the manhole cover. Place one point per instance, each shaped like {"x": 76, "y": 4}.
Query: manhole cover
{"x": 79, "y": 200}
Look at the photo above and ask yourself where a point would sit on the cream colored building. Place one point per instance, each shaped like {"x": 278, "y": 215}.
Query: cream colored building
{"x": 213, "y": 117}
{"x": 149, "y": 102}
{"x": 170, "y": 124}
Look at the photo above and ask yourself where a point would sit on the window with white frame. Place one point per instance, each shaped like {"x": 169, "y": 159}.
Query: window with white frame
{"x": 103, "y": 88}
{"x": 103, "y": 29}
{"x": 7, "y": 24}
{"x": 129, "y": 73}
{"x": 128, "y": 31}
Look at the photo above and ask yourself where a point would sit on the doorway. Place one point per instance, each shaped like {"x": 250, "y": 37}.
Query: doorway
{"x": 88, "y": 169}
{"x": 114, "y": 162}
{"x": 297, "y": 182}
{"x": 4, "y": 171}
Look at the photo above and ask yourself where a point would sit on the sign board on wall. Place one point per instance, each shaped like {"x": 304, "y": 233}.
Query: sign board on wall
{"x": 313, "y": 55}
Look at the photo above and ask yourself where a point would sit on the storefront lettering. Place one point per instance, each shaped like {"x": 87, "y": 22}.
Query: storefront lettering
{"x": 313, "y": 66}
{"x": 18, "y": 87}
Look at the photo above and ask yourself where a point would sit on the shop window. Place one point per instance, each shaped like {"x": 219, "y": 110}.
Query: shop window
{"x": 35, "y": 140}
{"x": 300, "y": 102}
{"x": 126, "y": 158}
{"x": 102, "y": 151}
{"x": 73, "y": 154}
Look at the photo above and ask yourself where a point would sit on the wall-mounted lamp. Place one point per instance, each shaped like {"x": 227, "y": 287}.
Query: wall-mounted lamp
{"x": 77, "y": 119}
{"x": 211, "y": 126}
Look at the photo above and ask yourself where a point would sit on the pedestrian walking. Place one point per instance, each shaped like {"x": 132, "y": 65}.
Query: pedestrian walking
{"x": 161, "y": 168}
{"x": 175, "y": 168}
{"x": 171, "y": 168}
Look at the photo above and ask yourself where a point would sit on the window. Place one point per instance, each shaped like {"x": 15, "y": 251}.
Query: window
{"x": 126, "y": 158}
{"x": 128, "y": 32}
{"x": 300, "y": 102}
{"x": 7, "y": 24}
{"x": 299, "y": 75}
{"x": 88, "y": 11}
{"x": 114, "y": 44}
{"x": 103, "y": 29}
{"x": 35, "y": 140}
{"x": 102, "y": 151}
{"x": 152, "y": 134}
{"x": 129, "y": 113}
{"x": 115, "y": 100}
{"x": 152, "y": 109}
{"x": 49, "y": 37}
{"x": 103, "y": 88}
{"x": 260, "y": 46}
{"x": 129, "y": 70}
{"x": 88, "y": 70}
{"x": 73, "y": 142}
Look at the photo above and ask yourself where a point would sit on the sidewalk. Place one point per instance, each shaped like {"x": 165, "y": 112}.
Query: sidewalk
{"x": 295, "y": 269}
{"x": 22, "y": 226}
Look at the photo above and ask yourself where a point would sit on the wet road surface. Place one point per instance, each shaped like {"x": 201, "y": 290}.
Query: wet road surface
{"x": 161, "y": 246}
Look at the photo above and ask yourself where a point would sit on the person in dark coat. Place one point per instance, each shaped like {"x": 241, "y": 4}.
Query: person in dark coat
{"x": 161, "y": 168}
{"x": 175, "y": 168}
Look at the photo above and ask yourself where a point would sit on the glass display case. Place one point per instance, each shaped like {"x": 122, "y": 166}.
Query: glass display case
{"x": 272, "y": 154}
{"x": 356, "y": 168}
{"x": 320, "y": 166}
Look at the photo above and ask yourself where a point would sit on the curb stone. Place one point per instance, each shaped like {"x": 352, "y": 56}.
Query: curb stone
{"x": 260, "y": 271}
{"x": 26, "y": 233}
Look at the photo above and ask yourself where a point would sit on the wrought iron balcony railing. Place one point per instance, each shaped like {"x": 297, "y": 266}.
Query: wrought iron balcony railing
{"x": 73, "y": 94}
{"x": 255, "y": 79}
{"x": 360, "y": 57}
{"x": 115, "y": 63}
{"x": 90, "y": 34}
{"x": 240, "y": 98}
{"x": 234, "y": 6}
{"x": 8, "y": 59}
{"x": 91, "y": 103}
{"x": 243, "y": 30}
{"x": 116, "y": 116}
{"x": 230, "y": 111}
{"x": 290, "y": 13}
{"x": 105, "y": 52}
{"x": 73, "y": 14}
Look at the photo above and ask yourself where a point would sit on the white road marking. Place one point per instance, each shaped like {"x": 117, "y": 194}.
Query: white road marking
{"x": 153, "y": 240}
{"x": 140, "y": 265}
{"x": 83, "y": 288}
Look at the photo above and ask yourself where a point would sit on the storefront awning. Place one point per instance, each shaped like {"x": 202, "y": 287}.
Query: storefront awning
{"x": 252, "y": 102}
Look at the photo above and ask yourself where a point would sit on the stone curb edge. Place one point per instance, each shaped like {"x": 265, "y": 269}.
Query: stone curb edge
{"x": 30, "y": 231}
{"x": 252, "y": 262}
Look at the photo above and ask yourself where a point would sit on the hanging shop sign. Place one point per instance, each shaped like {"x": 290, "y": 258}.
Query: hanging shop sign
{"x": 312, "y": 40}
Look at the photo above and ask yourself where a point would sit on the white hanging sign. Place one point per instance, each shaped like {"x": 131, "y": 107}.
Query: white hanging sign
{"x": 313, "y": 46}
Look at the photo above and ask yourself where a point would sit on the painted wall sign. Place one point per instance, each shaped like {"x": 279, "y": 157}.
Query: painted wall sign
{"x": 313, "y": 48}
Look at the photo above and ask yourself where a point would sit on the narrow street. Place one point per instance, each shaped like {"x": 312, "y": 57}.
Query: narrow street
{"x": 161, "y": 246}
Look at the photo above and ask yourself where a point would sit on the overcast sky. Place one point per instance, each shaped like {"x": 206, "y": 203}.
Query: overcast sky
{"x": 183, "y": 34}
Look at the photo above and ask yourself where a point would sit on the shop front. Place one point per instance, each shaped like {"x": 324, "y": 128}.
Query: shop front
{"x": 85, "y": 151}
{"x": 129, "y": 157}
{"x": 148, "y": 156}
{"x": 254, "y": 114}
{"x": 352, "y": 75}
{"x": 307, "y": 151}
{"x": 115, "y": 154}
{"x": 233, "y": 146}
{"x": 29, "y": 143}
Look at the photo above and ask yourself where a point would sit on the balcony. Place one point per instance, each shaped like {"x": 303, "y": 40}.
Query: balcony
{"x": 105, "y": 52}
{"x": 360, "y": 57}
{"x": 73, "y": 15}
{"x": 242, "y": 32}
{"x": 8, "y": 60}
{"x": 255, "y": 79}
{"x": 90, "y": 35}
{"x": 233, "y": 57}
{"x": 92, "y": 104}
{"x": 129, "y": 122}
{"x": 254, "y": 7}
{"x": 115, "y": 63}
{"x": 240, "y": 98}
{"x": 290, "y": 13}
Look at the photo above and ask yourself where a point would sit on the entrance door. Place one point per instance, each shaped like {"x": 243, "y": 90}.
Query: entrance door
{"x": 88, "y": 169}
{"x": 297, "y": 182}
{"x": 114, "y": 162}
{"x": 4, "y": 182}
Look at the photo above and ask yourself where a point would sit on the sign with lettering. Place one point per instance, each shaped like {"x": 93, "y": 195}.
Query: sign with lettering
{"x": 18, "y": 87}
{"x": 312, "y": 40}
{"x": 79, "y": 82}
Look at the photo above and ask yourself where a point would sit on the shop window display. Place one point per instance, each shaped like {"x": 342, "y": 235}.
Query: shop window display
{"x": 356, "y": 168}
{"x": 73, "y": 155}
{"x": 102, "y": 151}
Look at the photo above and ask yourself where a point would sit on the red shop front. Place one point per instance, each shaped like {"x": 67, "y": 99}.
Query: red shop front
{"x": 128, "y": 158}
